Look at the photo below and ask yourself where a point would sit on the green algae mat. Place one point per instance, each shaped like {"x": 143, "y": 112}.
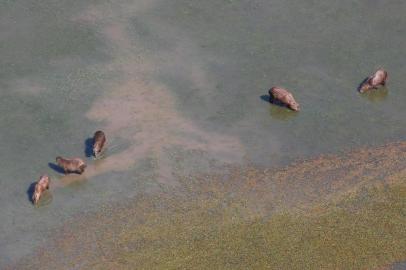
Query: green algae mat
{"x": 222, "y": 221}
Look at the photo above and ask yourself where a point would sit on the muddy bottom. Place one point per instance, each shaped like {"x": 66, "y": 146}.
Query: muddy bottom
{"x": 332, "y": 212}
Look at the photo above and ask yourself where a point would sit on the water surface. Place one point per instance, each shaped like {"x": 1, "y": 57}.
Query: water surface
{"x": 181, "y": 88}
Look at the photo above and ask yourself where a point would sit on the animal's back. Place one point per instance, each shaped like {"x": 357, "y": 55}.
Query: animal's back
{"x": 379, "y": 77}
{"x": 279, "y": 93}
{"x": 99, "y": 136}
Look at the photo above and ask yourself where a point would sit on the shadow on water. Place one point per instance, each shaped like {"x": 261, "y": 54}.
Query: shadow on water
{"x": 361, "y": 84}
{"x": 89, "y": 147}
{"x": 266, "y": 98}
{"x": 376, "y": 95}
{"x": 56, "y": 168}
{"x": 280, "y": 111}
{"x": 30, "y": 191}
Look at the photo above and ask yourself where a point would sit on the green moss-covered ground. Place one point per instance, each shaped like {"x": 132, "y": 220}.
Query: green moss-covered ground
{"x": 363, "y": 232}
{"x": 349, "y": 213}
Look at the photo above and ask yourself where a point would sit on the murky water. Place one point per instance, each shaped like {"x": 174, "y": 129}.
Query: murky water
{"x": 181, "y": 89}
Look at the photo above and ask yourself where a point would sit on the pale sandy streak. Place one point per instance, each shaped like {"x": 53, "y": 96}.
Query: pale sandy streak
{"x": 143, "y": 112}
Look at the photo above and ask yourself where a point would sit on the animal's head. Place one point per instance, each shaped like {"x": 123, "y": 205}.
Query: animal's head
{"x": 82, "y": 167}
{"x": 295, "y": 106}
{"x": 44, "y": 180}
{"x": 364, "y": 87}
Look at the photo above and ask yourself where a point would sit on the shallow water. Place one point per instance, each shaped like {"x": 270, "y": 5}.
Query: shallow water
{"x": 181, "y": 88}
{"x": 246, "y": 217}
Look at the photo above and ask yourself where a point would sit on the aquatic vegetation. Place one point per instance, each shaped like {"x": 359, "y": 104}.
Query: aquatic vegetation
{"x": 179, "y": 83}
{"x": 235, "y": 221}
{"x": 353, "y": 236}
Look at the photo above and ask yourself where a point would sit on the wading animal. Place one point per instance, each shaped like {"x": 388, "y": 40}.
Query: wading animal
{"x": 74, "y": 165}
{"x": 41, "y": 185}
{"x": 99, "y": 139}
{"x": 284, "y": 96}
{"x": 373, "y": 82}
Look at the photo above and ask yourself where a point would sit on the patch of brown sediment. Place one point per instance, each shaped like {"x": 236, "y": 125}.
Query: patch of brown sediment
{"x": 144, "y": 114}
{"x": 303, "y": 184}
{"x": 238, "y": 193}
{"x": 142, "y": 111}
{"x": 321, "y": 179}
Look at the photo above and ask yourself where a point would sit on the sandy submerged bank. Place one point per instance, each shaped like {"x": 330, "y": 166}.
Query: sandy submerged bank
{"x": 333, "y": 212}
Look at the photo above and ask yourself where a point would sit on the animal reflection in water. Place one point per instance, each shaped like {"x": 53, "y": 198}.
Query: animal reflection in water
{"x": 377, "y": 95}
{"x": 280, "y": 113}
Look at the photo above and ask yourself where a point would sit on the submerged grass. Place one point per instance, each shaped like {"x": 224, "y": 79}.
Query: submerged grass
{"x": 350, "y": 213}
{"x": 362, "y": 232}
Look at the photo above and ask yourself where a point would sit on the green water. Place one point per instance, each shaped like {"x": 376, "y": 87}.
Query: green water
{"x": 180, "y": 88}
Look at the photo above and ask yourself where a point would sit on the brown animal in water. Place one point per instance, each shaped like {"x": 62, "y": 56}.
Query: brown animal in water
{"x": 99, "y": 139}
{"x": 74, "y": 165}
{"x": 41, "y": 185}
{"x": 284, "y": 96}
{"x": 374, "y": 81}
